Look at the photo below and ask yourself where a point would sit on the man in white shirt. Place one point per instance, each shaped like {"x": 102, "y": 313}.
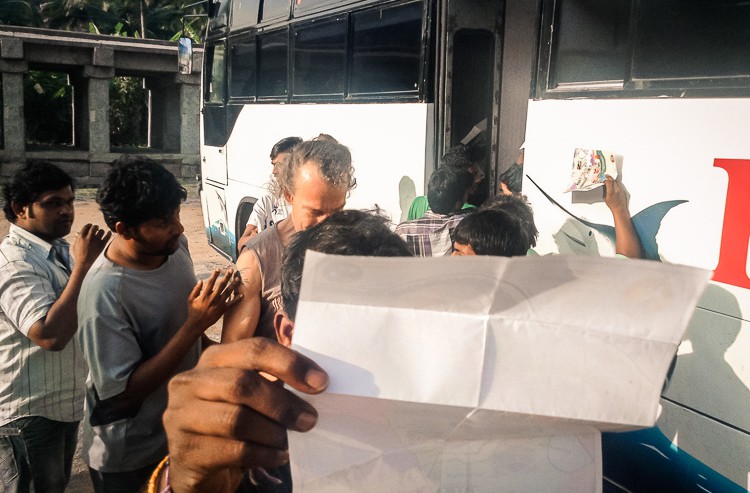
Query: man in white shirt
{"x": 272, "y": 207}
{"x": 42, "y": 382}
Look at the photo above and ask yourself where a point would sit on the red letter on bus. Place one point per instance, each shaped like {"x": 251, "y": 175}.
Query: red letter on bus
{"x": 732, "y": 268}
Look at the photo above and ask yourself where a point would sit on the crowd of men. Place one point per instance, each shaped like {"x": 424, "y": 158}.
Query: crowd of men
{"x": 113, "y": 335}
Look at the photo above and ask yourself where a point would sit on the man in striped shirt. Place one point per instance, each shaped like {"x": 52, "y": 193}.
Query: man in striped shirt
{"x": 43, "y": 373}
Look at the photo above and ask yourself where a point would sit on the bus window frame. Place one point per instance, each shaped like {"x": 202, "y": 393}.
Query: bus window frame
{"x": 231, "y": 41}
{"x": 417, "y": 94}
{"x": 305, "y": 24}
{"x": 209, "y": 74}
{"x": 631, "y": 87}
{"x": 278, "y": 97}
{"x": 424, "y": 92}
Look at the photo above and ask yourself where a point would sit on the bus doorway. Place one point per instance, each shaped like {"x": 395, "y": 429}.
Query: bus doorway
{"x": 469, "y": 79}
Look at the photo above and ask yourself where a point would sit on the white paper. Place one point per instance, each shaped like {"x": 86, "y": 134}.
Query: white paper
{"x": 482, "y": 373}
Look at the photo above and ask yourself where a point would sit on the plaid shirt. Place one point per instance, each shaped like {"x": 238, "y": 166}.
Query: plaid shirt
{"x": 430, "y": 235}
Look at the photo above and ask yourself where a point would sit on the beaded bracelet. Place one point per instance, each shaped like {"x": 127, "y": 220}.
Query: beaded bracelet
{"x": 153, "y": 482}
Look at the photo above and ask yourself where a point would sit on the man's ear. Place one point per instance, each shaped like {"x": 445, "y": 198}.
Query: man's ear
{"x": 124, "y": 231}
{"x": 284, "y": 328}
{"x": 289, "y": 197}
{"x": 19, "y": 210}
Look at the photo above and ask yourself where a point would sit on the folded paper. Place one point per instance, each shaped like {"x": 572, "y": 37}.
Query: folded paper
{"x": 482, "y": 373}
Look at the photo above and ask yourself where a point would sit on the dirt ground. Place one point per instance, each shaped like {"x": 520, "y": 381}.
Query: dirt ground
{"x": 205, "y": 259}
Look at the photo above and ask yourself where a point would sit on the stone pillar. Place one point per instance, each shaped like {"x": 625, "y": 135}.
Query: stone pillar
{"x": 96, "y": 109}
{"x": 165, "y": 114}
{"x": 13, "y": 66}
{"x": 190, "y": 94}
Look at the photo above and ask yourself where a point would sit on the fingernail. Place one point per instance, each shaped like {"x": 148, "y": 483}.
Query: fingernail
{"x": 316, "y": 379}
{"x": 305, "y": 421}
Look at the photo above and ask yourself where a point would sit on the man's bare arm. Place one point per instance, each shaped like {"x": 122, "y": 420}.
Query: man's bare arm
{"x": 250, "y": 231}
{"x": 242, "y": 319}
{"x": 54, "y": 331}
{"x": 627, "y": 242}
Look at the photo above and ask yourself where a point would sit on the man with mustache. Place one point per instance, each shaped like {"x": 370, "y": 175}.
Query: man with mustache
{"x": 42, "y": 382}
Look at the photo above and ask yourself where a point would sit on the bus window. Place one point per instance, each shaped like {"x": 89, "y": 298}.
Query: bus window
{"x": 320, "y": 58}
{"x": 215, "y": 77}
{"x": 275, "y": 10}
{"x": 591, "y": 41}
{"x": 272, "y": 64}
{"x": 242, "y": 64}
{"x": 677, "y": 39}
{"x": 304, "y": 6}
{"x": 386, "y": 50}
{"x": 244, "y": 13}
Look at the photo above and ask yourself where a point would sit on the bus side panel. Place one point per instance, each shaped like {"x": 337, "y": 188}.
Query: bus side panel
{"x": 220, "y": 235}
{"x": 667, "y": 149}
{"x": 389, "y": 144}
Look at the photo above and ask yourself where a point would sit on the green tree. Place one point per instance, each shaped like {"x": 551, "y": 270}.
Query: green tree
{"x": 128, "y": 112}
{"x": 20, "y": 13}
{"x": 47, "y": 105}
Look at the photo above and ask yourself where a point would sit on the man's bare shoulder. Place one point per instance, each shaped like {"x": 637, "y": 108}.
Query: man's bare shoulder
{"x": 248, "y": 266}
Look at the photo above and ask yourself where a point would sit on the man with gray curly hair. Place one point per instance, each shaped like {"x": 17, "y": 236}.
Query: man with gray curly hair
{"x": 315, "y": 182}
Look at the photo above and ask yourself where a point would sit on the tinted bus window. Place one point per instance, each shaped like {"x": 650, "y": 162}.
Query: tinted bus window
{"x": 272, "y": 64}
{"x": 215, "y": 87}
{"x": 590, "y": 41}
{"x": 386, "y": 49}
{"x": 309, "y": 5}
{"x": 243, "y": 68}
{"x": 275, "y": 10}
{"x": 244, "y": 13}
{"x": 320, "y": 58}
{"x": 701, "y": 38}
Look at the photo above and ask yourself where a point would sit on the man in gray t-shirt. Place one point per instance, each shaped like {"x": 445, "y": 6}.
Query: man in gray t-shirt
{"x": 141, "y": 320}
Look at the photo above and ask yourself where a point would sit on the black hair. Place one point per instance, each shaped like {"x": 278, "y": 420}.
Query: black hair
{"x": 284, "y": 145}
{"x": 492, "y": 232}
{"x": 519, "y": 207}
{"x": 136, "y": 190}
{"x": 347, "y": 232}
{"x": 32, "y": 180}
{"x": 512, "y": 177}
{"x": 447, "y": 189}
{"x": 334, "y": 163}
{"x": 457, "y": 157}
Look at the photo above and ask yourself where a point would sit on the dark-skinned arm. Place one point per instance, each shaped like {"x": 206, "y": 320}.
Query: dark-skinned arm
{"x": 54, "y": 331}
{"x": 206, "y": 304}
{"x": 627, "y": 242}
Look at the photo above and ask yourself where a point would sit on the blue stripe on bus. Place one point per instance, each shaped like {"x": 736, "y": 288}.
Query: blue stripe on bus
{"x": 646, "y": 461}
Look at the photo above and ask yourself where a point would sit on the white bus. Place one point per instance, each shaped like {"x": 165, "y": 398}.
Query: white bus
{"x": 663, "y": 84}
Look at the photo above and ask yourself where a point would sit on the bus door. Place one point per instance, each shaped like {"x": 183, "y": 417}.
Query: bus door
{"x": 213, "y": 151}
{"x": 468, "y": 79}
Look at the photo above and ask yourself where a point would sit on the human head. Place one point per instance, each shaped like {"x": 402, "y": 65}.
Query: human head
{"x": 140, "y": 200}
{"x": 350, "y": 232}
{"x": 517, "y": 206}
{"x": 461, "y": 157}
{"x": 284, "y": 145}
{"x": 280, "y": 151}
{"x": 316, "y": 181}
{"x": 510, "y": 179}
{"x": 448, "y": 188}
{"x": 39, "y": 198}
{"x": 490, "y": 232}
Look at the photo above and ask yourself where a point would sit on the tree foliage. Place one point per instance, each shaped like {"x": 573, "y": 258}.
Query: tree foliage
{"x": 128, "y": 112}
{"x": 156, "y": 19}
{"x": 48, "y": 108}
